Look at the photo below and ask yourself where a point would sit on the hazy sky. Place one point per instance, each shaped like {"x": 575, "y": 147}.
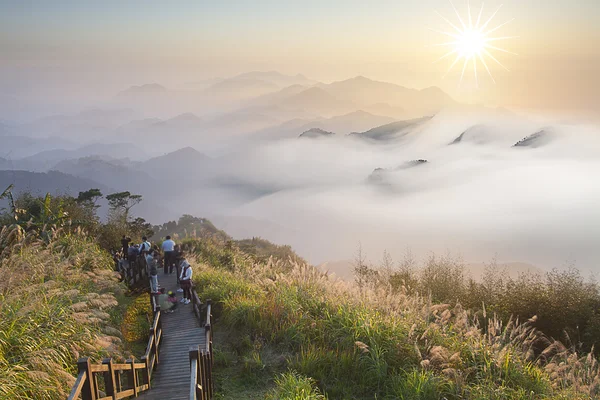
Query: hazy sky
{"x": 98, "y": 47}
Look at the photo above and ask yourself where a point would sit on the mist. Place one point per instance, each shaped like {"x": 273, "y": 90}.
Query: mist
{"x": 325, "y": 167}
{"x": 478, "y": 198}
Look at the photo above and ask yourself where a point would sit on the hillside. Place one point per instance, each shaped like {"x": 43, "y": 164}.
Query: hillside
{"x": 59, "y": 301}
{"x": 287, "y": 331}
{"x": 283, "y": 328}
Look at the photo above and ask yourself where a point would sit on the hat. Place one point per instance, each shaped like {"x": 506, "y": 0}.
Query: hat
{"x": 170, "y": 293}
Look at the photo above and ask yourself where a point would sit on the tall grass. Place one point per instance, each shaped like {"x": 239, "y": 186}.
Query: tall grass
{"x": 55, "y": 303}
{"x": 378, "y": 343}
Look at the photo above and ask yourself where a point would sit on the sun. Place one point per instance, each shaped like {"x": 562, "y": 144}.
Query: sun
{"x": 473, "y": 42}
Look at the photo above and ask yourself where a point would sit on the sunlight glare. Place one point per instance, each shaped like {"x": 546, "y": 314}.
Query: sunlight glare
{"x": 472, "y": 42}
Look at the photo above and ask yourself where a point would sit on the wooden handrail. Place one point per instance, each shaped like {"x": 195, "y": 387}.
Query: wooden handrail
{"x": 139, "y": 374}
{"x": 201, "y": 382}
{"x": 86, "y": 386}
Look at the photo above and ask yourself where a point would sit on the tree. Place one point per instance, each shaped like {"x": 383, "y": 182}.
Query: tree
{"x": 87, "y": 200}
{"x": 140, "y": 228}
{"x": 121, "y": 203}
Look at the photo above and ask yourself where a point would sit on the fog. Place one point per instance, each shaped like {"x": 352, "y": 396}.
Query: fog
{"x": 480, "y": 200}
{"x": 473, "y": 181}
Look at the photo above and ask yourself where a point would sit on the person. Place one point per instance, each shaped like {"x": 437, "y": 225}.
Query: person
{"x": 165, "y": 301}
{"x": 145, "y": 246}
{"x": 125, "y": 243}
{"x": 185, "y": 280}
{"x": 151, "y": 256}
{"x": 152, "y": 272}
{"x": 172, "y": 300}
{"x": 177, "y": 257}
{"x": 168, "y": 247}
{"x": 132, "y": 253}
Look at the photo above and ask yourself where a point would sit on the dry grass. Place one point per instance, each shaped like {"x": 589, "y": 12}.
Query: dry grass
{"x": 54, "y": 299}
{"x": 372, "y": 342}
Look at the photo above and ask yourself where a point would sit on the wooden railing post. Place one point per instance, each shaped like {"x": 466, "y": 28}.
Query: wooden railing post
{"x": 154, "y": 348}
{"x": 109, "y": 379}
{"x": 195, "y": 390}
{"x": 147, "y": 372}
{"x": 89, "y": 387}
{"x": 132, "y": 375}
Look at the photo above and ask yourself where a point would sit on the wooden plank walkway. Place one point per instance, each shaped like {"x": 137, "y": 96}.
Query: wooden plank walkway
{"x": 181, "y": 329}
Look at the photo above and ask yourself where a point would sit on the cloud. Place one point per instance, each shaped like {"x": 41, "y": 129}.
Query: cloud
{"x": 478, "y": 198}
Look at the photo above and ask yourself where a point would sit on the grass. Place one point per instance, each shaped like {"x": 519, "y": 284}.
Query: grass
{"x": 373, "y": 343}
{"x": 55, "y": 306}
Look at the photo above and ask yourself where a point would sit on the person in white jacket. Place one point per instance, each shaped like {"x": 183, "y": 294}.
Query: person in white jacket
{"x": 185, "y": 281}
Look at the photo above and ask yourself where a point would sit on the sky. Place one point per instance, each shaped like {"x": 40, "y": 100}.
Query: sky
{"x": 96, "y": 48}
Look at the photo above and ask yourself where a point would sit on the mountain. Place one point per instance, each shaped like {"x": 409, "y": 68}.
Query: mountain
{"x": 77, "y": 127}
{"x": 16, "y": 147}
{"x": 45, "y": 160}
{"x": 315, "y": 133}
{"x": 52, "y": 182}
{"x": 380, "y": 176}
{"x": 393, "y": 131}
{"x": 240, "y": 88}
{"x": 355, "y": 121}
{"x": 537, "y": 139}
{"x": 278, "y": 96}
{"x": 182, "y": 164}
{"x": 237, "y": 123}
{"x": 318, "y": 101}
{"x": 148, "y": 88}
{"x": 106, "y": 172}
{"x": 277, "y": 78}
{"x": 365, "y": 92}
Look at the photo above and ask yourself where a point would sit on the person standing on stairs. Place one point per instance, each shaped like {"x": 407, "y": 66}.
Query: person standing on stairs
{"x": 152, "y": 260}
{"x": 145, "y": 246}
{"x": 168, "y": 248}
{"x": 185, "y": 280}
{"x": 178, "y": 258}
{"x": 125, "y": 243}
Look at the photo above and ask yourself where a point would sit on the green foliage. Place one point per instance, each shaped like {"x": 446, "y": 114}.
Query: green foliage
{"x": 262, "y": 249}
{"x": 137, "y": 319}
{"x": 189, "y": 226}
{"x": 120, "y": 205}
{"x": 565, "y": 304}
{"x": 293, "y": 386}
{"x": 378, "y": 341}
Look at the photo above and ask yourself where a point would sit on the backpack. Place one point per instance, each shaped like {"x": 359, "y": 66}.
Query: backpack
{"x": 144, "y": 245}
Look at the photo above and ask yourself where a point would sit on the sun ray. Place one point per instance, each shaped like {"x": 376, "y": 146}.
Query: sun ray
{"x": 463, "y": 70}
{"x": 470, "y": 18}
{"x": 473, "y": 43}
{"x": 445, "y": 33}
{"x": 487, "y": 68}
{"x": 444, "y": 44}
{"x": 490, "y": 19}
{"x": 449, "y": 23}
{"x": 494, "y": 58}
{"x": 458, "y": 57}
{"x": 458, "y": 15}
{"x": 501, "y": 38}
{"x": 479, "y": 17}
{"x": 489, "y": 46}
{"x": 448, "y": 54}
{"x": 475, "y": 70}
{"x": 499, "y": 26}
